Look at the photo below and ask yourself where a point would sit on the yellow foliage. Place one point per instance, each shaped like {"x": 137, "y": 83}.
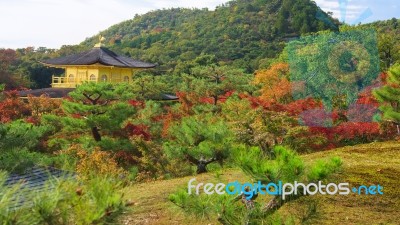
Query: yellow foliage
{"x": 95, "y": 162}
{"x": 43, "y": 104}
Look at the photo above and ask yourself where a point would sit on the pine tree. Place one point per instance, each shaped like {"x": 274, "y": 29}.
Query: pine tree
{"x": 200, "y": 140}
{"x": 286, "y": 166}
{"x": 98, "y": 107}
{"x": 389, "y": 96}
{"x": 215, "y": 81}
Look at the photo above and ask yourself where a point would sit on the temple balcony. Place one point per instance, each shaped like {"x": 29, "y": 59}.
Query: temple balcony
{"x": 63, "y": 82}
{"x": 68, "y": 82}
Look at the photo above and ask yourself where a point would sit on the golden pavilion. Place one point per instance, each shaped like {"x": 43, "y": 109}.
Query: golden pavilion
{"x": 96, "y": 65}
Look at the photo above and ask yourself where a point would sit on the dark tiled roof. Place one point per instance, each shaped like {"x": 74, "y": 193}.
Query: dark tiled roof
{"x": 99, "y": 55}
{"x": 51, "y": 92}
{"x": 36, "y": 180}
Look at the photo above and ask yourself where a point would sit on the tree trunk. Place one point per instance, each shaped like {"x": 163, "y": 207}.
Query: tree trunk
{"x": 200, "y": 163}
{"x": 272, "y": 205}
{"x": 215, "y": 99}
{"x": 96, "y": 134}
{"x": 277, "y": 202}
{"x": 201, "y": 167}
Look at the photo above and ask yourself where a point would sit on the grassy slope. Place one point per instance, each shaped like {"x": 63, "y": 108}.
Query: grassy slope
{"x": 375, "y": 163}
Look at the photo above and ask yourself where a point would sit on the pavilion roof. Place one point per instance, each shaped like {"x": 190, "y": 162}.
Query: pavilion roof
{"x": 50, "y": 92}
{"x": 98, "y": 55}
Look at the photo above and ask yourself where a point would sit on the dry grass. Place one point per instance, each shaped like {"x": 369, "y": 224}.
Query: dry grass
{"x": 375, "y": 163}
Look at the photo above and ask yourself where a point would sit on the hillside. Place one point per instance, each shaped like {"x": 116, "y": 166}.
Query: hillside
{"x": 375, "y": 163}
{"x": 240, "y": 32}
{"x": 245, "y": 34}
{"x": 388, "y": 41}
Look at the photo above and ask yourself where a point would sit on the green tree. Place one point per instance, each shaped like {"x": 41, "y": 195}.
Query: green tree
{"x": 148, "y": 86}
{"x": 257, "y": 126}
{"x": 19, "y": 143}
{"x": 389, "y": 96}
{"x": 200, "y": 140}
{"x": 2, "y": 95}
{"x": 285, "y": 166}
{"x": 389, "y": 50}
{"x": 214, "y": 81}
{"x": 100, "y": 107}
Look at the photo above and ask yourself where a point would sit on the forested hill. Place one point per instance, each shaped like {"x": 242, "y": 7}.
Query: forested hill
{"x": 240, "y": 33}
{"x": 245, "y": 34}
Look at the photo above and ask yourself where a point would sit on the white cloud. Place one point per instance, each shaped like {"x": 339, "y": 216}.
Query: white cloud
{"x": 52, "y": 23}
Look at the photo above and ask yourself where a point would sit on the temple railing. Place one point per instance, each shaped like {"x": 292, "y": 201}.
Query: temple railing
{"x": 62, "y": 82}
{"x": 67, "y": 82}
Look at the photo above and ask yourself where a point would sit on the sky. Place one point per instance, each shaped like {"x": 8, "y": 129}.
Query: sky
{"x": 53, "y": 23}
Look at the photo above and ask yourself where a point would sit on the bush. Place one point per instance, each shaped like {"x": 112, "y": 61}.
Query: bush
{"x": 152, "y": 162}
{"x": 350, "y": 133}
{"x": 12, "y": 107}
{"x": 19, "y": 134}
{"x": 283, "y": 165}
{"x": 18, "y": 160}
{"x": 356, "y": 132}
{"x": 302, "y": 140}
{"x": 92, "y": 163}
{"x": 70, "y": 201}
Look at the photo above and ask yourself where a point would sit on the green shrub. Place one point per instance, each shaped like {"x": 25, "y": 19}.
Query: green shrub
{"x": 62, "y": 202}
{"x": 281, "y": 165}
{"x": 18, "y": 160}
{"x": 19, "y": 134}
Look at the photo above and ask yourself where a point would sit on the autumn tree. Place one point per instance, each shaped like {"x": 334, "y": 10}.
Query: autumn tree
{"x": 275, "y": 86}
{"x": 12, "y": 107}
{"x": 43, "y": 105}
{"x": 8, "y": 59}
{"x": 149, "y": 116}
{"x": 100, "y": 107}
{"x": 240, "y": 116}
{"x": 257, "y": 126}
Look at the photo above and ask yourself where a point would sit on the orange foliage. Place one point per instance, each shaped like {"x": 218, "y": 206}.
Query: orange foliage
{"x": 187, "y": 100}
{"x": 139, "y": 130}
{"x": 221, "y": 98}
{"x": 295, "y": 108}
{"x": 275, "y": 85}
{"x": 168, "y": 119}
{"x": 135, "y": 103}
{"x": 43, "y": 105}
